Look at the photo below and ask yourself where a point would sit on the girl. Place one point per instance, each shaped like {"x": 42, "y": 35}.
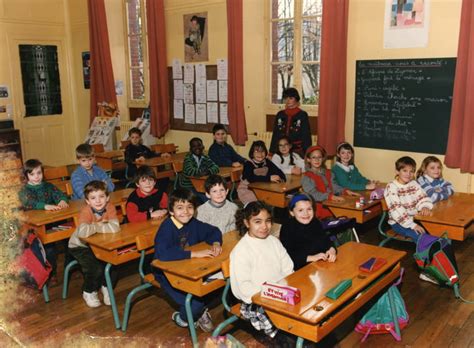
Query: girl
{"x": 346, "y": 173}
{"x": 288, "y": 161}
{"x": 303, "y": 236}
{"x": 257, "y": 169}
{"x": 430, "y": 178}
{"x": 257, "y": 258}
{"x": 405, "y": 198}
{"x": 319, "y": 182}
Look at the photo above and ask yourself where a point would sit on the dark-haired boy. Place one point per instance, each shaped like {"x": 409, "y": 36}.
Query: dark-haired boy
{"x": 136, "y": 151}
{"x": 217, "y": 211}
{"x": 221, "y": 152}
{"x": 176, "y": 233}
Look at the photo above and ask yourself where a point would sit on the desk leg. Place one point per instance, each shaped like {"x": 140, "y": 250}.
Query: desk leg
{"x": 394, "y": 314}
{"x": 112, "y": 296}
{"x": 299, "y": 342}
{"x": 189, "y": 314}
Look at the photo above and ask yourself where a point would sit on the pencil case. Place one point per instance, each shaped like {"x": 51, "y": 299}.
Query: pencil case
{"x": 339, "y": 289}
{"x": 282, "y": 293}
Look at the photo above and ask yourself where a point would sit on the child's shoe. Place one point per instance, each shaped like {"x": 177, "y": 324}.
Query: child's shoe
{"x": 91, "y": 298}
{"x": 178, "y": 321}
{"x": 205, "y": 322}
{"x": 105, "y": 293}
{"x": 427, "y": 278}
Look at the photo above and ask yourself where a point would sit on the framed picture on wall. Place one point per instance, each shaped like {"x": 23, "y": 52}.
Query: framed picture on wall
{"x": 86, "y": 69}
{"x": 196, "y": 48}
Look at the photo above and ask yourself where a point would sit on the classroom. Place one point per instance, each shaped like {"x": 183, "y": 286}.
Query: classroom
{"x": 196, "y": 35}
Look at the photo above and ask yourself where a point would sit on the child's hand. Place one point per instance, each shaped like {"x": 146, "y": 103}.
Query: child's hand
{"x": 275, "y": 178}
{"x": 165, "y": 155}
{"x": 236, "y": 164}
{"x": 296, "y": 170}
{"x": 317, "y": 257}
{"x": 370, "y": 186}
{"x": 418, "y": 229}
{"x": 337, "y": 199}
{"x": 202, "y": 253}
{"x": 63, "y": 204}
{"x": 216, "y": 249}
{"x": 331, "y": 255}
{"x": 352, "y": 193}
{"x": 425, "y": 212}
{"x": 157, "y": 214}
{"x": 51, "y": 207}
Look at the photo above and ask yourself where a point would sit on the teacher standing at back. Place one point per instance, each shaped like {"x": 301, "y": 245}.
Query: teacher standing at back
{"x": 292, "y": 122}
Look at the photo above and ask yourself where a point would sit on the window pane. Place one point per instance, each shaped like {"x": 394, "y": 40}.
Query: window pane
{"x": 282, "y": 77}
{"x": 282, "y": 41}
{"x": 311, "y": 39}
{"x": 136, "y": 51}
{"x": 282, "y": 8}
{"x": 137, "y": 81}
{"x": 310, "y": 88}
{"x": 134, "y": 19}
{"x": 312, "y": 7}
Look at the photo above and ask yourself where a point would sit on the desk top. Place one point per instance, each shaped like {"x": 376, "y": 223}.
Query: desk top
{"x": 350, "y": 202}
{"x": 198, "y": 268}
{"x": 42, "y": 217}
{"x": 315, "y": 279}
{"x": 159, "y": 161}
{"x": 457, "y": 210}
{"x": 293, "y": 182}
{"x": 110, "y": 154}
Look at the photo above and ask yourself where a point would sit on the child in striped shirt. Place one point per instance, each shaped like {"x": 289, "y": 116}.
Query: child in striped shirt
{"x": 430, "y": 178}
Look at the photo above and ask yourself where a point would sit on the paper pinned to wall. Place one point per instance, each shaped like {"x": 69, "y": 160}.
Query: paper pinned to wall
{"x": 189, "y": 113}
{"x": 188, "y": 73}
{"x": 201, "y": 113}
{"x": 223, "y": 91}
{"x": 178, "y": 89}
{"x": 222, "y": 69}
{"x": 177, "y": 69}
{"x": 201, "y": 92}
{"x": 223, "y": 113}
{"x": 201, "y": 73}
{"x": 188, "y": 93}
{"x": 178, "y": 109}
{"x": 211, "y": 90}
{"x": 212, "y": 115}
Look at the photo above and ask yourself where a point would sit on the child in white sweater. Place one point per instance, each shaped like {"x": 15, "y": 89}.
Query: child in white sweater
{"x": 258, "y": 257}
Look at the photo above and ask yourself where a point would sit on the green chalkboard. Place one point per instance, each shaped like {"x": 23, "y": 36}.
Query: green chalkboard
{"x": 404, "y": 104}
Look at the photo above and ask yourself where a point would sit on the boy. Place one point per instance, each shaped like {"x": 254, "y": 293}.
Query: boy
{"x": 222, "y": 153}
{"x": 98, "y": 216}
{"x": 146, "y": 202}
{"x": 217, "y": 211}
{"x": 196, "y": 164}
{"x": 136, "y": 151}
{"x": 175, "y": 233}
{"x": 87, "y": 172}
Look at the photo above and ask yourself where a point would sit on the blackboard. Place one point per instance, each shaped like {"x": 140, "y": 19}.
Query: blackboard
{"x": 404, "y": 104}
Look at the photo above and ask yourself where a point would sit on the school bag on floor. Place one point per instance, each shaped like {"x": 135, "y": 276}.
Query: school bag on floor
{"x": 33, "y": 267}
{"x": 340, "y": 230}
{"x": 379, "y": 319}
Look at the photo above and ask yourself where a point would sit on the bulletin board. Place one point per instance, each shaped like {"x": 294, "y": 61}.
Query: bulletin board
{"x": 180, "y": 124}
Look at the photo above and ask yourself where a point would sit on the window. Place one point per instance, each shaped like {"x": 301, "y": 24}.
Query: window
{"x": 137, "y": 60}
{"x": 295, "y": 38}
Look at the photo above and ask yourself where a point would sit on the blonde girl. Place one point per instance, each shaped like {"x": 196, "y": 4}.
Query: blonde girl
{"x": 430, "y": 178}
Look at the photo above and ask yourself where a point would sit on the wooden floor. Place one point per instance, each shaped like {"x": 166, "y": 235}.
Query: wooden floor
{"x": 437, "y": 319}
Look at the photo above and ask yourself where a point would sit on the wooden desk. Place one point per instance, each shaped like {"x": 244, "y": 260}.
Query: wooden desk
{"x": 348, "y": 208}
{"x": 118, "y": 248}
{"x": 316, "y": 315}
{"x": 110, "y": 160}
{"x": 454, "y": 216}
{"x": 38, "y": 219}
{"x": 275, "y": 194}
{"x": 198, "y": 182}
{"x": 157, "y": 162}
{"x": 188, "y": 275}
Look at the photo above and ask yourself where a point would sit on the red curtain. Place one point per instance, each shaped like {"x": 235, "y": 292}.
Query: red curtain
{"x": 159, "y": 95}
{"x": 102, "y": 75}
{"x": 332, "y": 85}
{"x": 235, "y": 107}
{"x": 460, "y": 150}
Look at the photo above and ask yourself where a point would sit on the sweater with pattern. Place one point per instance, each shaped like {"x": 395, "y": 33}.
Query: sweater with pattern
{"x": 35, "y": 197}
{"x": 206, "y": 166}
{"x": 436, "y": 189}
{"x": 222, "y": 217}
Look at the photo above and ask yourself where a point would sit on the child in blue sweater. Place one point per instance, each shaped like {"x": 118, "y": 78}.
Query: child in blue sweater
{"x": 177, "y": 232}
{"x": 430, "y": 178}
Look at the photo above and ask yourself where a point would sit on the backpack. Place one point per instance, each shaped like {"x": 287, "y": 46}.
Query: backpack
{"x": 340, "y": 230}
{"x": 34, "y": 269}
{"x": 379, "y": 319}
{"x": 435, "y": 257}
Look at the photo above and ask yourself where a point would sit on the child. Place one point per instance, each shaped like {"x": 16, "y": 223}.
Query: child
{"x": 430, "y": 178}
{"x": 222, "y": 153}
{"x": 98, "y": 216}
{"x": 319, "y": 182}
{"x": 303, "y": 236}
{"x": 196, "y": 164}
{"x": 87, "y": 172}
{"x": 136, "y": 151}
{"x": 146, "y": 202}
{"x": 38, "y": 195}
{"x": 257, "y": 169}
{"x": 405, "y": 198}
{"x": 175, "y": 233}
{"x": 288, "y": 161}
{"x": 292, "y": 122}
{"x": 217, "y": 211}
{"x": 346, "y": 173}
{"x": 257, "y": 258}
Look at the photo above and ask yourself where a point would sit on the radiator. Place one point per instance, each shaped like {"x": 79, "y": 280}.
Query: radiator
{"x": 123, "y": 132}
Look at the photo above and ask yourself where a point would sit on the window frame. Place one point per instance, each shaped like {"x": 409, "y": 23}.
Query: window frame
{"x": 297, "y": 61}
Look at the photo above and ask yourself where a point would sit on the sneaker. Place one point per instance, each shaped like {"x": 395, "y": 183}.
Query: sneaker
{"x": 205, "y": 322}
{"x": 91, "y": 298}
{"x": 105, "y": 293}
{"x": 427, "y": 278}
{"x": 178, "y": 321}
